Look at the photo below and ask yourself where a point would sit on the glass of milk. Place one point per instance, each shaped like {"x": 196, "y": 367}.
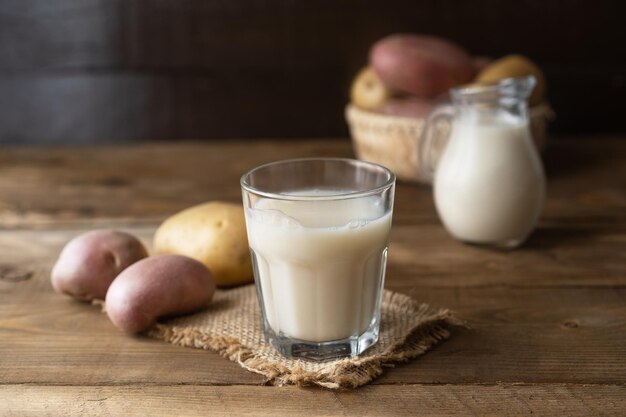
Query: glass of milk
{"x": 318, "y": 231}
{"x": 489, "y": 183}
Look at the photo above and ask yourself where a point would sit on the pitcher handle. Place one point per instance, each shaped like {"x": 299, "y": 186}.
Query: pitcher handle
{"x": 426, "y": 139}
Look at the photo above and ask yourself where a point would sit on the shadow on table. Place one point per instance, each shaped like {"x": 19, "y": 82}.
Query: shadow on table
{"x": 544, "y": 238}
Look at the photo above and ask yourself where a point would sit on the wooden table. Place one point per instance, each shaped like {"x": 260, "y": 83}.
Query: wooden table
{"x": 548, "y": 320}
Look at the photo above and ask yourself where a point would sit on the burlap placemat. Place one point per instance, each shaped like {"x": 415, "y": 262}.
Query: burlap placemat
{"x": 231, "y": 325}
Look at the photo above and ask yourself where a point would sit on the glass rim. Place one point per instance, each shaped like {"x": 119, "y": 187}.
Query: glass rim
{"x": 338, "y": 196}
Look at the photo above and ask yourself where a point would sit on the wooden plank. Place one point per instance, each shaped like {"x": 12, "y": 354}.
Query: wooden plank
{"x": 547, "y": 320}
{"x": 140, "y": 182}
{"x": 586, "y": 187}
{"x": 421, "y": 256}
{"x": 51, "y": 338}
{"x": 96, "y": 107}
{"x": 527, "y": 335}
{"x": 82, "y": 71}
{"x": 105, "y": 106}
{"x": 397, "y": 401}
{"x": 229, "y": 34}
{"x": 36, "y": 34}
{"x": 426, "y": 255}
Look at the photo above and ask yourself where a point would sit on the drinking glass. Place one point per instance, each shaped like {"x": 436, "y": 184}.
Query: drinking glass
{"x": 318, "y": 231}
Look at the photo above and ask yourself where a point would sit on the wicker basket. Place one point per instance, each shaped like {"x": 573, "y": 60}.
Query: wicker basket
{"x": 392, "y": 141}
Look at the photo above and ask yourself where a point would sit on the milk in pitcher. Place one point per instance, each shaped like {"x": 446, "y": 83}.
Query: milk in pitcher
{"x": 489, "y": 186}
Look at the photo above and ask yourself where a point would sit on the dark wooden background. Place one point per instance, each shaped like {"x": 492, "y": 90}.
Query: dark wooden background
{"x": 80, "y": 71}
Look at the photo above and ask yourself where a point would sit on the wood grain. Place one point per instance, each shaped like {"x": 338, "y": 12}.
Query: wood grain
{"x": 109, "y": 70}
{"x": 517, "y": 335}
{"x": 548, "y": 321}
{"x": 586, "y": 183}
{"x": 419, "y": 256}
{"x": 127, "y": 106}
{"x": 141, "y": 182}
{"x": 380, "y": 401}
{"x": 194, "y": 34}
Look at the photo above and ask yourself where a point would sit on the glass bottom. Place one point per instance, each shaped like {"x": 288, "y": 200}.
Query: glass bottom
{"x": 323, "y": 351}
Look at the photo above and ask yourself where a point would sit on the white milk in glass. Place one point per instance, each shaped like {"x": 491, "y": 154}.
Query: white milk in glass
{"x": 320, "y": 263}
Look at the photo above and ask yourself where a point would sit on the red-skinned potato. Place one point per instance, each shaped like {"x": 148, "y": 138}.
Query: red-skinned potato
{"x": 162, "y": 285}
{"x": 414, "y": 107}
{"x": 90, "y": 262}
{"x": 425, "y": 66}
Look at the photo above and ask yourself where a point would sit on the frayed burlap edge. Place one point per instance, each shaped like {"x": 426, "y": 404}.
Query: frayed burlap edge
{"x": 350, "y": 373}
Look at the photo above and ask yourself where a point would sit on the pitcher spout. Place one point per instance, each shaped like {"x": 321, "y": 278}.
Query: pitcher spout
{"x": 520, "y": 88}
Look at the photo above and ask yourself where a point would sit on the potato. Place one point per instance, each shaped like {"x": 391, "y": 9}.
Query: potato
{"x": 162, "y": 285}
{"x": 515, "y": 66}
{"x": 368, "y": 92}
{"x": 425, "y": 66}
{"x": 90, "y": 262}
{"x": 213, "y": 233}
{"x": 414, "y": 107}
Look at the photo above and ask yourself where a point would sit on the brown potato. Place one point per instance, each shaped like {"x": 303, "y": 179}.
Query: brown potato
{"x": 90, "y": 262}
{"x": 213, "y": 233}
{"x": 512, "y": 66}
{"x": 425, "y": 66}
{"x": 162, "y": 285}
{"x": 368, "y": 92}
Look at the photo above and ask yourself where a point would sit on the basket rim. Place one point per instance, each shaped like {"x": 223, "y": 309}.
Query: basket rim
{"x": 352, "y": 111}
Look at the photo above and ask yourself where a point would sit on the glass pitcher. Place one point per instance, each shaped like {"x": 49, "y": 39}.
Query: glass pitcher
{"x": 489, "y": 184}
